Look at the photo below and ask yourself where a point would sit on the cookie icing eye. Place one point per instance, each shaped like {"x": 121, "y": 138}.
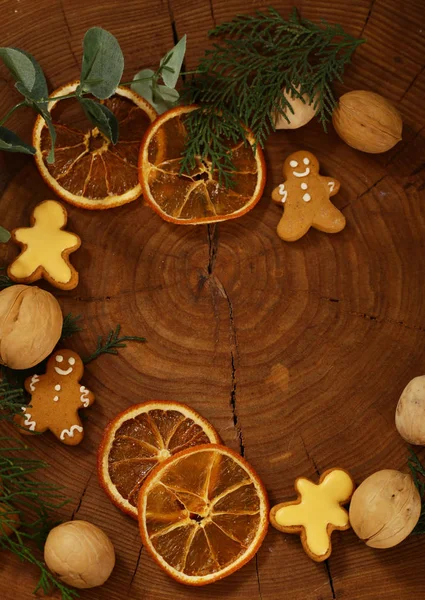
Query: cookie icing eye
{"x": 306, "y": 161}
{"x": 71, "y": 361}
{"x": 59, "y": 358}
{"x": 293, "y": 163}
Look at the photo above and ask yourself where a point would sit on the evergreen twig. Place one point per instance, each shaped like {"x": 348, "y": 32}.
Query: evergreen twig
{"x": 32, "y": 501}
{"x": 244, "y": 76}
{"x": 111, "y": 343}
{"x": 418, "y": 474}
{"x": 70, "y": 325}
{"x": 5, "y": 280}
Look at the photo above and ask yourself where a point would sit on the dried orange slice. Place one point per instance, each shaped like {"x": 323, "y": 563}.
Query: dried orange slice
{"x": 196, "y": 197}
{"x": 89, "y": 171}
{"x": 141, "y": 437}
{"x": 203, "y": 514}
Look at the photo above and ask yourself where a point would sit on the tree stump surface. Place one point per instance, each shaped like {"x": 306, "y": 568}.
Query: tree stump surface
{"x": 296, "y": 353}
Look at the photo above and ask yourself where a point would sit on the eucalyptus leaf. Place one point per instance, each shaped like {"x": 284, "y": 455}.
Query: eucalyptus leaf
{"x": 168, "y": 94}
{"x": 4, "y": 235}
{"x": 103, "y": 63}
{"x": 172, "y": 62}
{"x": 41, "y": 108}
{"x": 20, "y": 66}
{"x": 144, "y": 88}
{"x": 10, "y": 142}
{"x": 101, "y": 117}
{"x": 164, "y": 98}
{"x": 39, "y": 89}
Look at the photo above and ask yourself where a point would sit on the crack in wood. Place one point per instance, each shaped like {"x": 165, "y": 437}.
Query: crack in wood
{"x": 258, "y": 577}
{"x": 369, "y": 189}
{"x": 331, "y": 583}
{"x": 133, "y": 575}
{"x": 69, "y": 36}
{"x": 310, "y": 458}
{"x": 208, "y": 276}
{"x": 176, "y": 37}
{"x": 212, "y": 247}
{"x": 412, "y": 83}
{"x": 234, "y": 407}
{"x": 83, "y": 493}
{"x": 363, "y": 315}
{"x": 367, "y": 17}
{"x": 212, "y": 13}
{"x": 386, "y": 320}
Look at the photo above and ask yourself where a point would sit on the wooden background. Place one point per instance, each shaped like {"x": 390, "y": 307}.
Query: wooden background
{"x": 297, "y": 353}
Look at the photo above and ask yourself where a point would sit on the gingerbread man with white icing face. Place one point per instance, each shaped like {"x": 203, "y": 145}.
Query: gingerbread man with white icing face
{"x": 56, "y": 398}
{"x": 305, "y": 196}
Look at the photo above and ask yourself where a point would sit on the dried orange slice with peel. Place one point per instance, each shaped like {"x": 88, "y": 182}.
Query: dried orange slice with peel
{"x": 140, "y": 438}
{"x": 196, "y": 197}
{"x": 203, "y": 514}
{"x": 89, "y": 171}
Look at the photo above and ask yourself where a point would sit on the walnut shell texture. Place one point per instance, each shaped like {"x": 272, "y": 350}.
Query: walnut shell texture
{"x": 30, "y": 325}
{"x": 367, "y": 121}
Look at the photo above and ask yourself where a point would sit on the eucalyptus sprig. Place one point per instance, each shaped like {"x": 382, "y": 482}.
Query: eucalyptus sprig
{"x": 244, "y": 77}
{"x": 146, "y": 82}
{"x": 33, "y": 501}
{"x": 101, "y": 72}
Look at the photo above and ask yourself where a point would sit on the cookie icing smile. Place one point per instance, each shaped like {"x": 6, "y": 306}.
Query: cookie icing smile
{"x": 62, "y": 372}
{"x": 55, "y": 402}
{"x": 303, "y": 173}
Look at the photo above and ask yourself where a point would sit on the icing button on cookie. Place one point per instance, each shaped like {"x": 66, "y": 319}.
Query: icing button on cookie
{"x": 304, "y": 210}
{"x": 45, "y": 248}
{"x": 317, "y": 511}
{"x": 56, "y": 398}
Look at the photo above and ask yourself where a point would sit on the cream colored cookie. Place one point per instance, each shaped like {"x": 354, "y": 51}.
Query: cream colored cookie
{"x": 45, "y": 248}
{"x": 316, "y": 512}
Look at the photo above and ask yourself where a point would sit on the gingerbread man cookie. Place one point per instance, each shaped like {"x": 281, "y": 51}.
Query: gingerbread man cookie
{"x": 305, "y": 195}
{"x": 56, "y": 398}
{"x": 317, "y": 511}
{"x": 46, "y": 248}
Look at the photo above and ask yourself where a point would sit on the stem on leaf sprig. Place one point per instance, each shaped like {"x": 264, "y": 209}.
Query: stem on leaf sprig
{"x": 101, "y": 73}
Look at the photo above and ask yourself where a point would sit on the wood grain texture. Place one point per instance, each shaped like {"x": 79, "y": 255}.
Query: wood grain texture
{"x": 297, "y": 353}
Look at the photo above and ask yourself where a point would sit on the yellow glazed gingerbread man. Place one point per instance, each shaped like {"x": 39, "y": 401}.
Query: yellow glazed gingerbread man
{"x": 46, "y": 248}
{"x": 56, "y": 398}
{"x": 317, "y": 511}
{"x": 305, "y": 195}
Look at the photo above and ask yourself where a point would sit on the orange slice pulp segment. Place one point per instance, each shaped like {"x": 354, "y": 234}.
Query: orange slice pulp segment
{"x": 196, "y": 197}
{"x": 89, "y": 170}
{"x": 140, "y": 438}
{"x": 203, "y": 514}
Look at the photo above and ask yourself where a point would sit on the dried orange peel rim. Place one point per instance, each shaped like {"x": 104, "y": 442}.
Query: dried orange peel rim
{"x": 254, "y": 545}
{"x": 143, "y": 161}
{"x": 76, "y": 200}
{"x": 109, "y": 436}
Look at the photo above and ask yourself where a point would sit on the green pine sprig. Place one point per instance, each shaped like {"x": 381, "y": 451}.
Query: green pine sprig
{"x": 417, "y": 471}
{"x": 12, "y": 397}
{"x": 5, "y": 280}
{"x": 34, "y": 502}
{"x": 243, "y": 78}
{"x": 70, "y": 326}
{"x": 111, "y": 343}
